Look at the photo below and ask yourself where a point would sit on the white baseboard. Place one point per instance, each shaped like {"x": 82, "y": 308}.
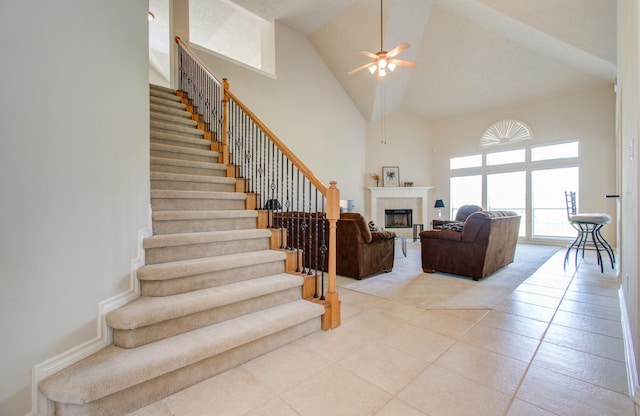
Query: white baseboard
{"x": 40, "y": 405}
{"x": 629, "y": 352}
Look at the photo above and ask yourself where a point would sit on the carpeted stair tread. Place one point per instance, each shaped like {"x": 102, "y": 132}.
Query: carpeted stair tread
{"x": 183, "y": 150}
{"x": 158, "y": 109}
{"x": 172, "y": 240}
{"x": 154, "y": 93}
{"x": 114, "y": 369}
{"x": 150, "y": 310}
{"x": 177, "y": 194}
{"x": 183, "y": 268}
{"x": 167, "y": 102}
{"x": 183, "y": 177}
{"x": 155, "y": 89}
{"x": 203, "y": 215}
{"x": 187, "y": 163}
{"x": 175, "y": 119}
{"x": 156, "y": 124}
{"x": 187, "y": 140}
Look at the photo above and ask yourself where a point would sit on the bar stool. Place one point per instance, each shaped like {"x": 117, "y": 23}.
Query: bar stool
{"x": 587, "y": 225}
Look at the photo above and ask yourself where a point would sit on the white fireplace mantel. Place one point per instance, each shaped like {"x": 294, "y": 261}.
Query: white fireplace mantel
{"x": 411, "y": 192}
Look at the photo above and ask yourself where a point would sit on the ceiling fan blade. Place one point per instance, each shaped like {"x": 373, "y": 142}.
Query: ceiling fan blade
{"x": 368, "y": 54}
{"x": 393, "y": 52}
{"x": 400, "y": 62}
{"x": 361, "y": 68}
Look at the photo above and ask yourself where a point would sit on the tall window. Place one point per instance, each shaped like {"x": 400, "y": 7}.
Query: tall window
{"x": 529, "y": 180}
{"x": 548, "y": 201}
{"x": 465, "y": 190}
{"x": 508, "y": 192}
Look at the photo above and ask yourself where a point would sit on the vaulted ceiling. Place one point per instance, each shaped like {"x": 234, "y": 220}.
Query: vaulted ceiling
{"x": 471, "y": 54}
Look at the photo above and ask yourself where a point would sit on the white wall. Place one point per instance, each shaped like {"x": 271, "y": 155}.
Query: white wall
{"x": 306, "y": 108}
{"x": 629, "y": 130}
{"x": 588, "y": 116}
{"x": 74, "y": 173}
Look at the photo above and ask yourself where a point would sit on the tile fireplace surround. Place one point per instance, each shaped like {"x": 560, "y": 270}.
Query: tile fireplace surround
{"x": 415, "y": 198}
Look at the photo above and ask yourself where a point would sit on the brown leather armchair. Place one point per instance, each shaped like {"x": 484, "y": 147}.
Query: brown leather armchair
{"x": 486, "y": 243}
{"x": 360, "y": 252}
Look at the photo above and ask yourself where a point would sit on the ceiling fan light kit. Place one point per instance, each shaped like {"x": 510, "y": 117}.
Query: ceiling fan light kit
{"x": 384, "y": 61}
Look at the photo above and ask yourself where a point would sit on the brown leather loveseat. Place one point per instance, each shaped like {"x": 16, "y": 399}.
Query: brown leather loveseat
{"x": 360, "y": 252}
{"x": 486, "y": 243}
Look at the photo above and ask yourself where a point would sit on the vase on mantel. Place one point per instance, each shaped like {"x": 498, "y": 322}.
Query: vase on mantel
{"x": 376, "y": 178}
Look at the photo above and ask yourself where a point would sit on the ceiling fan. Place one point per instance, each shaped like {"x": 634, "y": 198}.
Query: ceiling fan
{"x": 384, "y": 61}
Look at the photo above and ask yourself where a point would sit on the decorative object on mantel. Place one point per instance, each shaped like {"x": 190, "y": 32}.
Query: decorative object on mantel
{"x": 375, "y": 177}
{"x": 408, "y": 184}
{"x": 439, "y": 204}
{"x": 390, "y": 176}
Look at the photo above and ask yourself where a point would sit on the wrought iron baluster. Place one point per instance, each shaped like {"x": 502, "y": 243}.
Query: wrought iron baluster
{"x": 316, "y": 247}
{"x": 323, "y": 250}
{"x": 283, "y": 232}
{"x": 299, "y": 219}
{"x": 310, "y": 245}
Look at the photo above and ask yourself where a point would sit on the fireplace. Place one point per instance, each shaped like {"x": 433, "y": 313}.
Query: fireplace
{"x": 398, "y": 218}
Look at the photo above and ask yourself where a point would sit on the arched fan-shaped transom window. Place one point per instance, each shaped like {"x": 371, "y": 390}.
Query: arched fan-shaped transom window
{"x": 505, "y": 131}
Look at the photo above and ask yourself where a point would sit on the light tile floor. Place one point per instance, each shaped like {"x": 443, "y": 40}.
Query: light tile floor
{"x": 553, "y": 347}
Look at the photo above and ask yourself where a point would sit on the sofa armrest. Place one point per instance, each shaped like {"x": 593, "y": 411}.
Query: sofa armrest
{"x": 382, "y": 235}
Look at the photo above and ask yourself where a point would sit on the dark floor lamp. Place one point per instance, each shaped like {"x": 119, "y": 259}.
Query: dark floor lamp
{"x": 439, "y": 204}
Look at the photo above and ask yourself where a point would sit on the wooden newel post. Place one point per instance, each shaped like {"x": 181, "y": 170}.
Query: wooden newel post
{"x": 224, "y": 152}
{"x": 333, "y": 214}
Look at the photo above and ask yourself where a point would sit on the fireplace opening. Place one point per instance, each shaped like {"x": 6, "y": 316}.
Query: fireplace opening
{"x": 398, "y": 218}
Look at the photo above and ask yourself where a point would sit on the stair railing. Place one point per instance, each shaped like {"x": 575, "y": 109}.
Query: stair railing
{"x": 285, "y": 191}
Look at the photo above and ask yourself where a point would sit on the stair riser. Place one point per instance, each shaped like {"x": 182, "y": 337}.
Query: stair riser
{"x": 197, "y": 251}
{"x": 183, "y": 156}
{"x": 144, "y": 394}
{"x": 188, "y": 170}
{"x": 171, "y": 127}
{"x": 141, "y": 336}
{"x": 179, "y": 204}
{"x": 188, "y": 226}
{"x": 192, "y": 186}
{"x": 206, "y": 280}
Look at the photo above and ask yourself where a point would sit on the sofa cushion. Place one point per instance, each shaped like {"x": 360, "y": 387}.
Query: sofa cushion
{"x": 453, "y": 226}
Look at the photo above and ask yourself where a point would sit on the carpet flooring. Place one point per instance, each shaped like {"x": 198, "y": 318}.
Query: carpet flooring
{"x": 409, "y": 284}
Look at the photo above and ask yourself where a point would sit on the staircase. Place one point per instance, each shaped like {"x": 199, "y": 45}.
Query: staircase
{"x": 213, "y": 295}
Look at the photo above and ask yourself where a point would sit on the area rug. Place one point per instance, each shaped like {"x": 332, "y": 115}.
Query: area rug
{"x": 407, "y": 283}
